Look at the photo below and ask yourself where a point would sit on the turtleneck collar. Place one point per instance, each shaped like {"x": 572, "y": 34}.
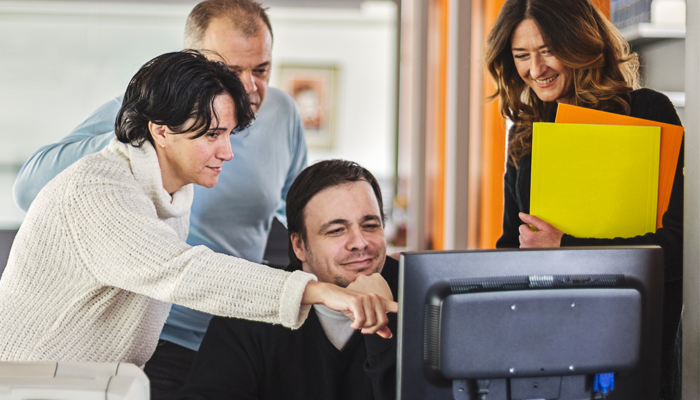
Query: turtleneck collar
{"x": 146, "y": 170}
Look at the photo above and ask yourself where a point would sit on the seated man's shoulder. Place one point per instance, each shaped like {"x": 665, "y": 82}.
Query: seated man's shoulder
{"x": 391, "y": 263}
{"x": 260, "y": 339}
{"x": 245, "y": 329}
{"x": 390, "y": 273}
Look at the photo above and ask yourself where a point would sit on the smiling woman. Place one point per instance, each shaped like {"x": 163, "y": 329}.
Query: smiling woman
{"x": 538, "y": 67}
{"x": 102, "y": 255}
{"x": 544, "y": 52}
{"x": 571, "y": 48}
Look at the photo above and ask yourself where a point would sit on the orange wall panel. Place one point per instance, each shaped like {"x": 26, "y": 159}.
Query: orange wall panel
{"x": 493, "y": 168}
{"x": 493, "y": 145}
{"x": 436, "y": 123}
{"x": 603, "y": 6}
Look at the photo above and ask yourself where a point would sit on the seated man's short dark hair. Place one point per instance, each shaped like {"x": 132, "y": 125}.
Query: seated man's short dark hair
{"x": 316, "y": 178}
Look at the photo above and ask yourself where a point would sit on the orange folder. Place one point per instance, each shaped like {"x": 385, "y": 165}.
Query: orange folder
{"x": 671, "y": 138}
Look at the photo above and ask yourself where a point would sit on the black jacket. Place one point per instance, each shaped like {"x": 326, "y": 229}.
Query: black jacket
{"x": 647, "y": 104}
{"x": 651, "y": 105}
{"x": 242, "y": 359}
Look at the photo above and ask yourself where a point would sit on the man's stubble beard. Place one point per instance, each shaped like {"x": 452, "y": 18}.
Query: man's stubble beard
{"x": 340, "y": 280}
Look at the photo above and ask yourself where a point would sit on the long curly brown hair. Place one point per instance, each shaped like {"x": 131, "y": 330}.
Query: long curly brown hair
{"x": 581, "y": 38}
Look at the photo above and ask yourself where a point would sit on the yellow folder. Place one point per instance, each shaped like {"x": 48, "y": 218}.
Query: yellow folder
{"x": 597, "y": 181}
{"x": 671, "y": 139}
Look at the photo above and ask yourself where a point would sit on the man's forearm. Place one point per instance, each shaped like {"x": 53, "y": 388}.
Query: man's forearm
{"x": 48, "y": 162}
{"x": 92, "y": 135}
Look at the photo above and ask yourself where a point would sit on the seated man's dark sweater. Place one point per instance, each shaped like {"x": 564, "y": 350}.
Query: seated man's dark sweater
{"x": 242, "y": 359}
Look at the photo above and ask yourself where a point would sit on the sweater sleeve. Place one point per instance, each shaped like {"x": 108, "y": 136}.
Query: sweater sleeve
{"x": 231, "y": 351}
{"x": 511, "y": 220}
{"x": 121, "y": 242}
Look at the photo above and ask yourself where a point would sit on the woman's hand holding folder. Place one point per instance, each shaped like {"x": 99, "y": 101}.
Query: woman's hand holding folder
{"x": 544, "y": 234}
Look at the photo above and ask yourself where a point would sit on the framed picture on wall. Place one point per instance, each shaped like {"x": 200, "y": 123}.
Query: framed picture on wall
{"x": 314, "y": 89}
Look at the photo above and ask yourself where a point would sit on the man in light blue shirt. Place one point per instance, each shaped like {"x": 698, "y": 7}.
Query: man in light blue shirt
{"x": 235, "y": 216}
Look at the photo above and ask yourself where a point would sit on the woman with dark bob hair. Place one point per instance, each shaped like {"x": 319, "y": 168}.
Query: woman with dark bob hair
{"x": 544, "y": 52}
{"x": 101, "y": 254}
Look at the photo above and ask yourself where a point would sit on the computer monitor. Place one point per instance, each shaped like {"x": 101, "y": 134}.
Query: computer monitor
{"x": 530, "y": 324}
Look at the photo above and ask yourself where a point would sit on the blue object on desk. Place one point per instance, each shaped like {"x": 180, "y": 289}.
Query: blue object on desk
{"x": 603, "y": 382}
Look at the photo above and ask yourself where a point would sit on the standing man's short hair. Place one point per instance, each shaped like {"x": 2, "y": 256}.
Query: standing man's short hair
{"x": 314, "y": 179}
{"x": 245, "y": 16}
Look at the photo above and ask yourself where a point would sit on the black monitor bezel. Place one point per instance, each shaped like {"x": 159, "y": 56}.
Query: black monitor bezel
{"x": 642, "y": 267}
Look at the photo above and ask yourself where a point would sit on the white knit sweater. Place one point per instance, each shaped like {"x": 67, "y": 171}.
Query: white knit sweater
{"x": 101, "y": 256}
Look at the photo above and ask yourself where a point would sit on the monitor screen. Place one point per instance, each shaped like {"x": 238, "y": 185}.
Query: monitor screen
{"x": 530, "y": 324}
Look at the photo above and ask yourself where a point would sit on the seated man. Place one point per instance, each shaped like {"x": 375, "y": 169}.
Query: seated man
{"x": 336, "y": 231}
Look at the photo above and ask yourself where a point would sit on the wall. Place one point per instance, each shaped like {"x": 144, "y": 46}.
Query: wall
{"x": 61, "y": 60}
{"x": 660, "y": 74}
{"x": 361, "y": 43}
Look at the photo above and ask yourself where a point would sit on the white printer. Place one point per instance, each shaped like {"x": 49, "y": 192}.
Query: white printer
{"x": 52, "y": 380}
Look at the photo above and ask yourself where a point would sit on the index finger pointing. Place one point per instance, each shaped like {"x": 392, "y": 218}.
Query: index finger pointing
{"x": 390, "y": 306}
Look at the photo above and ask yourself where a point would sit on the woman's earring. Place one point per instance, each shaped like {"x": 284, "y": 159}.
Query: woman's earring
{"x": 162, "y": 145}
